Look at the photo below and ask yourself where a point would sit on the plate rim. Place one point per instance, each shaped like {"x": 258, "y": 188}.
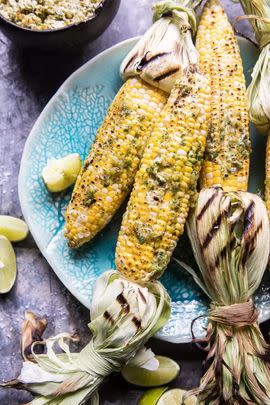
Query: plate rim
{"x": 27, "y": 214}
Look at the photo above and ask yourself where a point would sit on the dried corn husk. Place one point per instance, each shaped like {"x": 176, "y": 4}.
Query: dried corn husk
{"x": 258, "y": 11}
{"x": 230, "y": 237}
{"x": 124, "y": 316}
{"x": 167, "y": 48}
{"x": 258, "y": 91}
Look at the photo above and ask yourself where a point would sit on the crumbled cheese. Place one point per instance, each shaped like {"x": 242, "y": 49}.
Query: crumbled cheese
{"x": 47, "y": 14}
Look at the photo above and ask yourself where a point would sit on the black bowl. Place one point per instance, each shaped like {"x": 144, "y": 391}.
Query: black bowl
{"x": 65, "y": 38}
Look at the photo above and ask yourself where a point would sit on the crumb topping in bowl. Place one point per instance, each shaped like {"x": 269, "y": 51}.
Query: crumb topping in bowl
{"x": 48, "y": 14}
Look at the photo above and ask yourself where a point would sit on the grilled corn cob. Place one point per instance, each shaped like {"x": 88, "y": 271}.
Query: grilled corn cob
{"x": 109, "y": 169}
{"x": 166, "y": 181}
{"x": 159, "y": 58}
{"x": 228, "y": 145}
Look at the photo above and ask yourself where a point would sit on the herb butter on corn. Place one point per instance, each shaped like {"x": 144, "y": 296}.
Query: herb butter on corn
{"x": 110, "y": 168}
{"x": 228, "y": 144}
{"x": 166, "y": 181}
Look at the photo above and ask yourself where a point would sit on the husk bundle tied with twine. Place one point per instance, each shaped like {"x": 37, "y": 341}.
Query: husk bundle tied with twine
{"x": 229, "y": 233}
{"x": 124, "y": 315}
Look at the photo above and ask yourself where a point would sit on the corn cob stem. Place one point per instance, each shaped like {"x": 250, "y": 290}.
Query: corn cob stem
{"x": 166, "y": 181}
{"x": 228, "y": 145}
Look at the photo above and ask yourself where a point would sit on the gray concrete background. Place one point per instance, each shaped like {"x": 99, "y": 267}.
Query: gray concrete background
{"x": 28, "y": 79}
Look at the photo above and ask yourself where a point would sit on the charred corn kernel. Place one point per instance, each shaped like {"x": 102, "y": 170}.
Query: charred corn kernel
{"x": 267, "y": 176}
{"x": 166, "y": 181}
{"x": 228, "y": 145}
{"x": 111, "y": 165}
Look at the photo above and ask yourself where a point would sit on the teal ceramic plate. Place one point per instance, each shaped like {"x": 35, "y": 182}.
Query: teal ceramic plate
{"x": 68, "y": 124}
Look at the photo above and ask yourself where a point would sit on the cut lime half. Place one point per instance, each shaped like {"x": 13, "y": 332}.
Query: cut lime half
{"x": 14, "y": 229}
{"x": 175, "y": 397}
{"x": 60, "y": 174}
{"x": 151, "y": 397}
{"x": 166, "y": 372}
{"x": 7, "y": 265}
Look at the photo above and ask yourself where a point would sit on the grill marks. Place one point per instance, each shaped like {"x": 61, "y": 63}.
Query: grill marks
{"x": 166, "y": 74}
{"x": 137, "y": 322}
{"x": 130, "y": 61}
{"x": 108, "y": 317}
{"x": 251, "y": 243}
{"x": 207, "y": 204}
{"x": 249, "y": 218}
{"x": 214, "y": 229}
{"x": 125, "y": 307}
{"x": 142, "y": 296}
{"x": 146, "y": 60}
{"x": 249, "y": 235}
{"x": 123, "y": 302}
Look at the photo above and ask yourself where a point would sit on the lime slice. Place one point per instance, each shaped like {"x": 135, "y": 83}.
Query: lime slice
{"x": 7, "y": 265}
{"x": 151, "y": 397}
{"x": 175, "y": 397}
{"x": 166, "y": 372}
{"x": 59, "y": 174}
{"x": 14, "y": 229}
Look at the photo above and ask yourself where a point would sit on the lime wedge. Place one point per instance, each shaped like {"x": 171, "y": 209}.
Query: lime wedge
{"x": 151, "y": 397}
{"x": 166, "y": 372}
{"x": 7, "y": 265}
{"x": 175, "y": 397}
{"x": 59, "y": 174}
{"x": 14, "y": 229}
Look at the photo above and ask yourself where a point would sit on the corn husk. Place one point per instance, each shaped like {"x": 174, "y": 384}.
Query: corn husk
{"x": 230, "y": 237}
{"x": 166, "y": 49}
{"x": 258, "y": 91}
{"x": 258, "y": 12}
{"x": 124, "y": 316}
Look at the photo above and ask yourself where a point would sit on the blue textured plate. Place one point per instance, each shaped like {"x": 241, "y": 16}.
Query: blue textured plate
{"x": 68, "y": 124}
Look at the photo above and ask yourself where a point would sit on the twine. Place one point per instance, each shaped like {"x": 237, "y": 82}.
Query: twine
{"x": 176, "y": 8}
{"x": 237, "y": 315}
{"x": 97, "y": 364}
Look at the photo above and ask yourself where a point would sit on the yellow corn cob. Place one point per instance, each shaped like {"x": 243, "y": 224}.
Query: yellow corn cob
{"x": 166, "y": 181}
{"x": 111, "y": 165}
{"x": 228, "y": 146}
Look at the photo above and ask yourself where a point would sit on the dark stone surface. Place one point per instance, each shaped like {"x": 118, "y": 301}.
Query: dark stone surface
{"x": 28, "y": 79}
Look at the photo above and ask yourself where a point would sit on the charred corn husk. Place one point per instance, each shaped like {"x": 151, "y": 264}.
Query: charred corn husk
{"x": 166, "y": 181}
{"x": 162, "y": 65}
{"x": 110, "y": 168}
{"x": 124, "y": 315}
{"x": 229, "y": 233}
{"x": 267, "y": 176}
{"x": 258, "y": 91}
{"x": 228, "y": 145}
